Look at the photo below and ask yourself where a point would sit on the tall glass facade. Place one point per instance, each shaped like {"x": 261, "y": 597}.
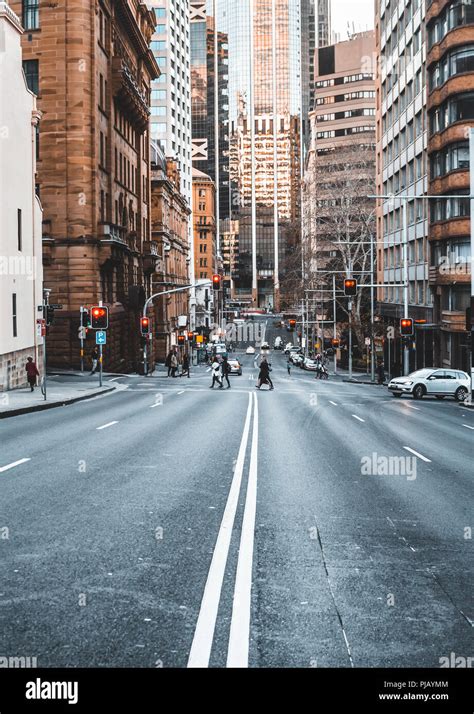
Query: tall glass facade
{"x": 276, "y": 120}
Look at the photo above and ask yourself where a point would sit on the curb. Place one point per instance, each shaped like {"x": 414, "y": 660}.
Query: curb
{"x": 52, "y": 405}
{"x": 359, "y": 381}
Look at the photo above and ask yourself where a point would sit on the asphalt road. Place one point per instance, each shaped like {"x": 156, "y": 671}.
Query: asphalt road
{"x": 171, "y": 525}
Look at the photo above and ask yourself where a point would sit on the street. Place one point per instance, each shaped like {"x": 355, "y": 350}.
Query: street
{"x": 168, "y": 524}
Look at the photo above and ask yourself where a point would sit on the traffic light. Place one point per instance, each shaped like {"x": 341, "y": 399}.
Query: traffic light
{"x": 335, "y": 342}
{"x": 292, "y": 324}
{"x": 350, "y": 287}
{"x": 145, "y": 325}
{"x": 190, "y": 336}
{"x": 181, "y": 339}
{"x": 86, "y": 318}
{"x": 216, "y": 282}
{"x": 406, "y": 326}
{"x": 99, "y": 318}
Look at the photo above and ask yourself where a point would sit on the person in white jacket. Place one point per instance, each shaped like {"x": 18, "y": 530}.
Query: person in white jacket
{"x": 216, "y": 374}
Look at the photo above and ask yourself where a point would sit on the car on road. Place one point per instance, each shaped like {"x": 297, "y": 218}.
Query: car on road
{"x": 296, "y": 358}
{"x": 265, "y": 347}
{"x": 434, "y": 382}
{"x": 250, "y": 350}
{"x": 309, "y": 364}
{"x": 220, "y": 348}
{"x": 235, "y": 366}
{"x": 288, "y": 347}
{"x": 278, "y": 343}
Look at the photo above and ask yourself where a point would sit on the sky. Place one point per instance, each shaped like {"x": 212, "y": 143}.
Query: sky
{"x": 360, "y": 12}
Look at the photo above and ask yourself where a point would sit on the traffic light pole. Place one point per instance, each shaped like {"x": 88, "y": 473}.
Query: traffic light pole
{"x": 46, "y": 293}
{"x": 471, "y": 156}
{"x": 100, "y": 365}
{"x": 82, "y": 339}
{"x": 165, "y": 292}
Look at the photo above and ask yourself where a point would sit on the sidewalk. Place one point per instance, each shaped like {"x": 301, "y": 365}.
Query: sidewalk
{"x": 357, "y": 377}
{"x": 23, "y": 401}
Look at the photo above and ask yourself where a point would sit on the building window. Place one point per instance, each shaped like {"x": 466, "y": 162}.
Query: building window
{"x": 30, "y": 14}
{"x": 31, "y": 70}
{"x": 19, "y": 229}
{"x": 14, "y": 316}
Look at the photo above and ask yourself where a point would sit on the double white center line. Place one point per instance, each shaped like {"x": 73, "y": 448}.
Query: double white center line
{"x": 238, "y": 649}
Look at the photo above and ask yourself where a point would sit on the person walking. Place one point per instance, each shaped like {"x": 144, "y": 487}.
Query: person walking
{"x": 95, "y": 359}
{"x": 174, "y": 363}
{"x": 31, "y": 373}
{"x": 264, "y": 374}
{"x": 185, "y": 366}
{"x": 168, "y": 362}
{"x": 380, "y": 372}
{"x": 216, "y": 374}
{"x": 288, "y": 366}
{"x": 225, "y": 369}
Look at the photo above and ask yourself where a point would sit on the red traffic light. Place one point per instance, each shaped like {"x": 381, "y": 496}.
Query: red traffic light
{"x": 406, "y": 326}
{"x": 350, "y": 286}
{"x": 99, "y": 318}
{"x": 216, "y": 282}
{"x": 181, "y": 339}
{"x": 335, "y": 342}
{"x": 190, "y": 336}
{"x": 145, "y": 325}
{"x": 292, "y": 324}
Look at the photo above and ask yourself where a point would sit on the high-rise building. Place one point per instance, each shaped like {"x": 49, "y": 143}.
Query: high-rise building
{"x": 315, "y": 33}
{"x": 450, "y": 106}
{"x": 265, "y": 104}
{"x": 402, "y": 171}
{"x": 171, "y": 91}
{"x": 91, "y": 68}
{"x": 21, "y": 266}
{"x": 205, "y": 247}
{"x": 209, "y": 51}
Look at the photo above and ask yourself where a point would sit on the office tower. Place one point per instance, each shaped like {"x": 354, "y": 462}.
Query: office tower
{"x": 450, "y": 106}
{"x": 265, "y": 137}
{"x": 206, "y": 41}
{"x": 91, "y": 68}
{"x": 171, "y": 91}
{"x": 402, "y": 171}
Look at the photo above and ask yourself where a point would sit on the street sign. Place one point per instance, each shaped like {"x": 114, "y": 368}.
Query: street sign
{"x": 199, "y": 339}
{"x": 100, "y": 337}
{"x": 56, "y": 307}
{"x": 82, "y": 333}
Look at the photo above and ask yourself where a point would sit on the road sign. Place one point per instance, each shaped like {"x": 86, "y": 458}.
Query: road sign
{"x": 82, "y": 333}
{"x": 56, "y": 307}
{"x": 100, "y": 337}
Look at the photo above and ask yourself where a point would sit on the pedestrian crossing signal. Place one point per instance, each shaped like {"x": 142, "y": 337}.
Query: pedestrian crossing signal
{"x": 406, "y": 326}
{"x": 350, "y": 287}
{"x": 145, "y": 325}
{"x": 99, "y": 318}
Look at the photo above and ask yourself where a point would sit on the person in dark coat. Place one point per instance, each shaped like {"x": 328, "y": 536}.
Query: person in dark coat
{"x": 31, "y": 372}
{"x": 185, "y": 366}
{"x": 95, "y": 359}
{"x": 168, "y": 362}
{"x": 264, "y": 374}
{"x": 380, "y": 373}
{"x": 225, "y": 370}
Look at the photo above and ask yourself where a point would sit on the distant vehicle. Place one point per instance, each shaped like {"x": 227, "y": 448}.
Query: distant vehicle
{"x": 438, "y": 383}
{"x": 235, "y": 366}
{"x": 220, "y": 348}
{"x": 264, "y": 346}
{"x": 278, "y": 344}
{"x": 296, "y": 358}
{"x": 309, "y": 365}
{"x": 288, "y": 347}
{"x": 250, "y": 350}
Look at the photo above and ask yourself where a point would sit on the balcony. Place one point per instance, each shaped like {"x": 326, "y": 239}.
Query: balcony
{"x": 127, "y": 90}
{"x": 453, "y": 320}
{"x": 450, "y": 274}
{"x": 113, "y": 233}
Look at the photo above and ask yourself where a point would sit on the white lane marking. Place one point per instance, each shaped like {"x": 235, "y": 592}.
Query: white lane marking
{"x": 239, "y": 638}
{"x": 330, "y": 402}
{"x": 182, "y": 391}
{"x": 156, "y": 405}
{"x": 206, "y": 622}
{"x": 15, "y": 463}
{"x": 358, "y": 418}
{"x": 115, "y": 379}
{"x": 410, "y": 406}
{"x": 104, "y": 426}
{"x": 420, "y": 456}
{"x": 468, "y": 427}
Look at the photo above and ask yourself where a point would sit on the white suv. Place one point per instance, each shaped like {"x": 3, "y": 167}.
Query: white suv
{"x": 438, "y": 383}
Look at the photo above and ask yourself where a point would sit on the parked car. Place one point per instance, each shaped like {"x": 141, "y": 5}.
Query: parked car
{"x": 250, "y": 350}
{"x": 296, "y": 358}
{"x": 288, "y": 347}
{"x": 235, "y": 366}
{"x": 434, "y": 382}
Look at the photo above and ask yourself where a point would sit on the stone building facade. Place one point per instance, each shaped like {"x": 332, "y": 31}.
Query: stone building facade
{"x": 169, "y": 227}
{"x": 91, "y": 67}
